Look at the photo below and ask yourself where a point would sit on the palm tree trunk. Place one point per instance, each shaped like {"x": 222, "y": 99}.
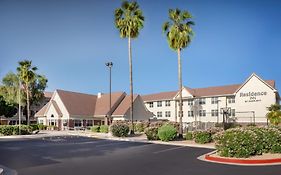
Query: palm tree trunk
{"x": 180, "y": 93}
{"x": 28, "y": 108}
{"x": 131, "y": 84}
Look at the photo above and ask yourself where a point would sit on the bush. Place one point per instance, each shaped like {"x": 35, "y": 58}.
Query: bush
{"x": 95, "y": 128}
{"x": 202, "y": 137}
{"x": 151, "y": 133}
{"x": 42, "y": 127}
{"x": 24, "y": 130}
{"x": 188, "y": 136}
{"x": 141, "y": 126}
{"x": 167, "y": 132}
{"x": 7, "y": 130}
{"x": 34, "y": 127}
{"x": 104, "y": 128}
{"x": 14, "y": 130}
{"x": 119, "y": 129}
{"x": 237, "y": 142}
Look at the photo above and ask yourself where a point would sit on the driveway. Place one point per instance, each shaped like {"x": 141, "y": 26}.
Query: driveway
{"x": 82, "y": 155}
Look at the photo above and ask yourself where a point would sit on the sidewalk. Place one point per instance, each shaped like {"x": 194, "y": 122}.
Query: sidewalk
{"x": 141, "y": 138}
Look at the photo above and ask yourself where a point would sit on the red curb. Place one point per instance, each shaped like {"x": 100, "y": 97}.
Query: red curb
{"x": 242, "y": 161}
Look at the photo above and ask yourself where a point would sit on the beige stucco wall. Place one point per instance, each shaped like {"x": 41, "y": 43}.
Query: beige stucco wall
{"x": 242, "y": 105}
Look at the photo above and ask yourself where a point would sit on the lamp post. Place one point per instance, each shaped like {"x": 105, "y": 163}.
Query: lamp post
{"x": 19, "y": 107}
{"x": 109, "y": 65}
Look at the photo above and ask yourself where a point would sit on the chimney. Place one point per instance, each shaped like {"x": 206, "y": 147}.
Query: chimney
{"x": 99, "y": 95}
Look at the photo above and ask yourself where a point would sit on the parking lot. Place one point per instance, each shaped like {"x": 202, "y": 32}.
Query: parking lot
{"x": 82, "y": 155}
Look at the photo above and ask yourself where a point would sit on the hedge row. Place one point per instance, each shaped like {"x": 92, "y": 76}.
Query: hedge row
{"x": 15, "y": 129}
{"x": 244, "y": 142}
{"x": 102, "y": 129}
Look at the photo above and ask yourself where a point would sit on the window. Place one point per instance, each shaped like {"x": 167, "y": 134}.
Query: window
{"x": 167, "y": 103}
{"x": 190, "y": 114}
{"x": 77, "y": 123}
{"x": 159, "y": 114}
{"x": 168, "y": 114}
{"x": 64, "y": 122}
{"x": 232, "y": 112}
{"x": 159, "y": 104}
{"x": 202, "y": 101}
{"x": 181, "y": 114}
{"x": 202, "y": 113}
{"x": 214, "y": 113}
{"x": 214, "y": 100}
{"x": 150, "y": 104}
{"x": 181, "y": 103}
{"x": 231, "y": 99}
{"x": 41, "y": 121}
{"x": 89, "y": 122}
{"x": 189, "y": 102}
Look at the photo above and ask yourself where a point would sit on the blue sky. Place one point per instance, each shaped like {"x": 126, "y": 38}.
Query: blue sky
{"x": 70, "y": 41}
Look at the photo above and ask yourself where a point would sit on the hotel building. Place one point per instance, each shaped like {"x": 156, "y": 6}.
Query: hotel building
{"x": 245, "y": 103}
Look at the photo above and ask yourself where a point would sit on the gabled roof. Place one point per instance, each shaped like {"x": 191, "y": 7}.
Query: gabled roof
{"x": 48, "y": 94}
{"x": 42, "y": 111}
{"x": 269, "y": 83}
{"x": 159, "y": 96}
{"x": 204, "y": 92}
{"x": 87, "y": 104}
{"x": 124, "y": 106}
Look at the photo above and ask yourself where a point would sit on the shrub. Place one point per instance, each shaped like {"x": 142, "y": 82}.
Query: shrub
{"x": 167, "y": 132}
{"x": 42, "y": 127}
{"x": 7, "y": 130}
{"x": 104, "y": 128}
{"x": 119, "y": 129}
{"x": 188, "y": 136}
{"x": 14, "y": 130}
{"x": 202, "y": 137}
{"x": 95, "y": 128}
{"x": 151, "y": 133}
{"x": 141, "y": 126}
{"x": 24, "y": 130}
{"x": 34, "y": 127}
{"x": 237, "y": 142}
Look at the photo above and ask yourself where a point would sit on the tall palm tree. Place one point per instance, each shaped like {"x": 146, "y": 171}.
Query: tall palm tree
{"x": 274, "y": 114}
{"x": 129, "y": 21}
{"x": 179, "y": 34}
{"x": 26, "y": 73}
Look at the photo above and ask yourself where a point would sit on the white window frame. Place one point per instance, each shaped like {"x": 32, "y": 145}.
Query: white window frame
{"x": 168, "y": 103}
{"x": 167, "y": 113}
{"x": 159, "y": 114}
{"x": 159, "y": 103}
{"x": 190, "y": 102}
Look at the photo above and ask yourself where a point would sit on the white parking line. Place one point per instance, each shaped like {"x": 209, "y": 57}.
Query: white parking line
{"x": 166, "y": 150}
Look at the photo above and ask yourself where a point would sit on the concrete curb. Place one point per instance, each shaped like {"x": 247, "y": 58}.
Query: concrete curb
{"x": 147, "y": 141}
{"x": 239, "y": 162}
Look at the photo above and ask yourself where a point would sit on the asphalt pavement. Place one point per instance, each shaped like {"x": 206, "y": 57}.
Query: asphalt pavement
{"x": 75, "y": 155}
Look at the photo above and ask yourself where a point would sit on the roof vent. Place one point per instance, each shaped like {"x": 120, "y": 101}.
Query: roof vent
{"x": 99, "y": 94}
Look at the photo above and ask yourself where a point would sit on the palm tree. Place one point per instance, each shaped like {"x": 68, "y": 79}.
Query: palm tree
{"x": 129, "y": 21}
{"x": 179, "y": 34}
{"x": 274, "y": 114}
{"x": 26, "y": 73}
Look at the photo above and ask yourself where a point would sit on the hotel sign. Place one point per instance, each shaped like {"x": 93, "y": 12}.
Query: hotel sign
{"x": 253, "y": 96}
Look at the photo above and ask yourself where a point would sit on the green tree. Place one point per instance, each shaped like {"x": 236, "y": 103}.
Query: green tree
{"x": 179, "y": 34}
{"x": 6, "y": 109}
{"x": 129, "y": 21}
{"x": 9, "y": 89}
{"x": 274, "y": 114}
